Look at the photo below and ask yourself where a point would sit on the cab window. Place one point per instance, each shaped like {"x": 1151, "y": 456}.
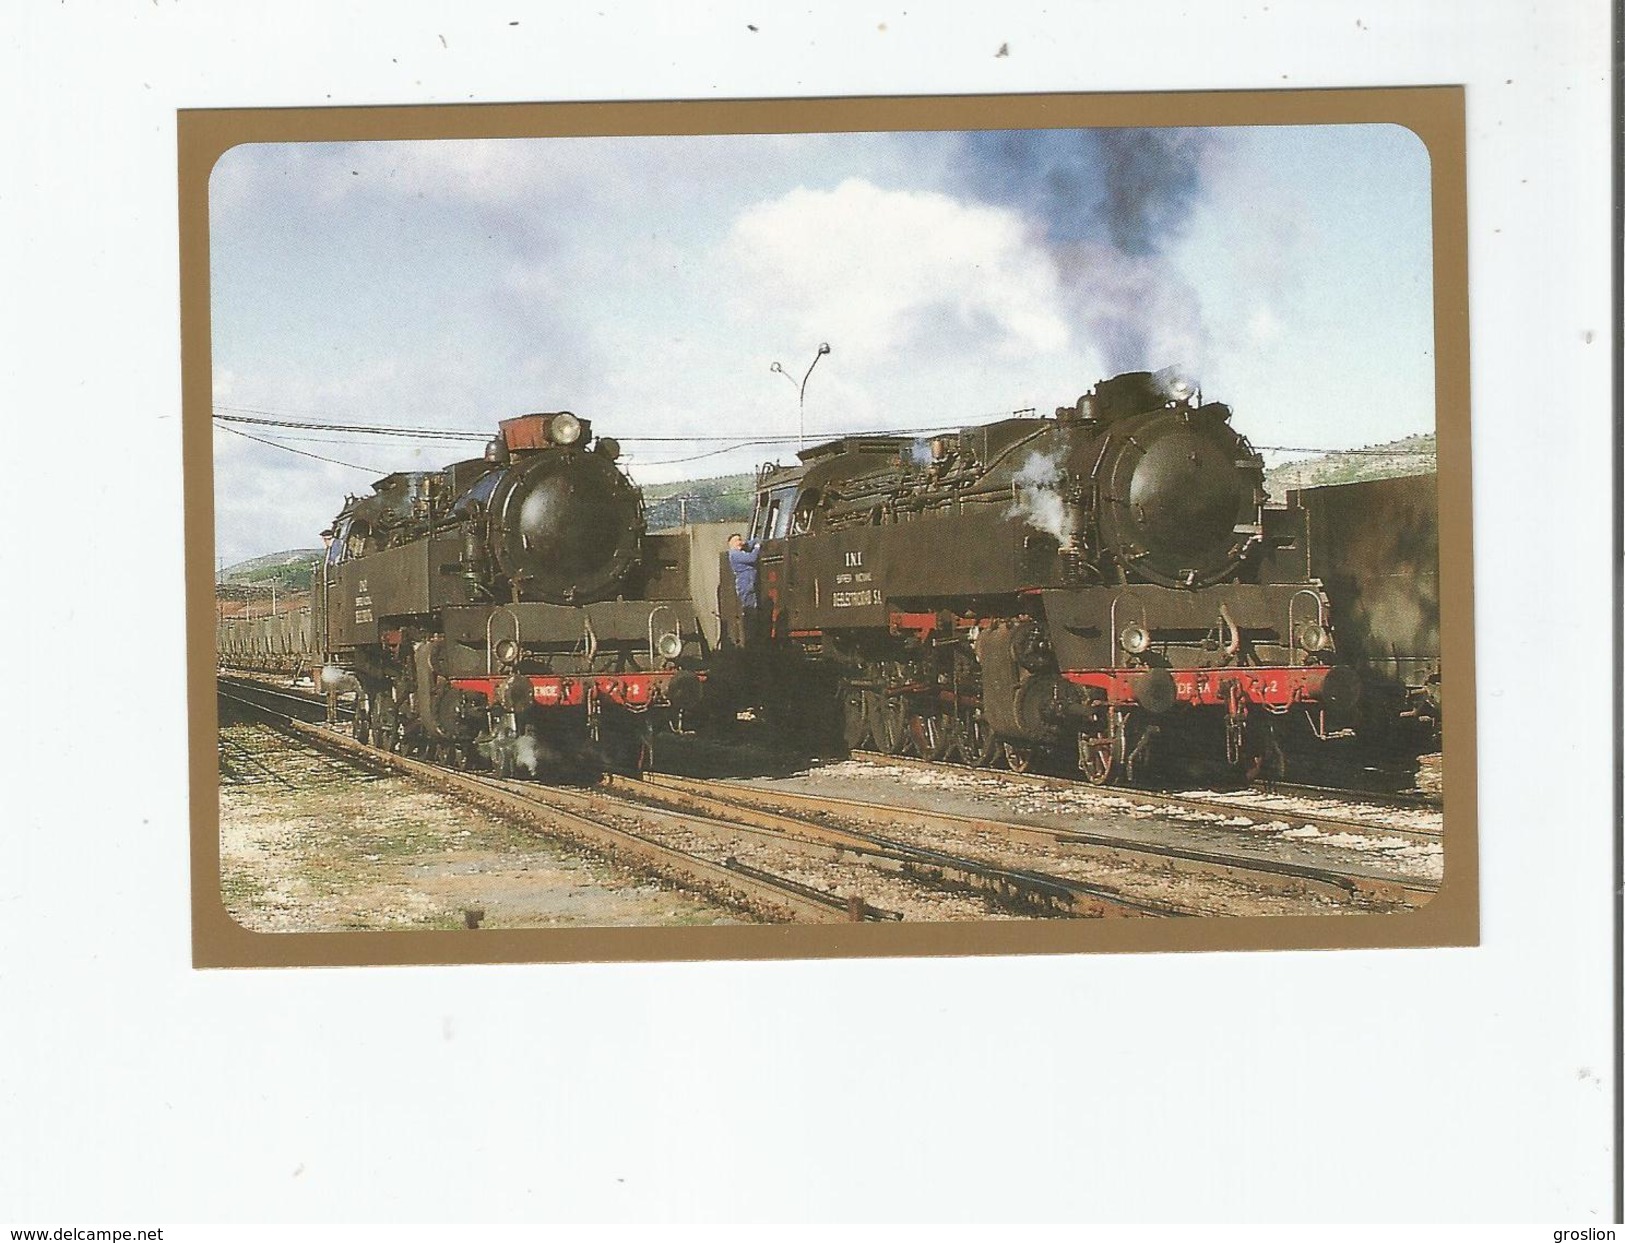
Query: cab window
{"x": 772, "y": 518}
{"x": 341, "y": 537}
{"x": 356, "y": 542}
{"x": 801, "y": 519}
{"x": 781, "y": 514}
{"x": 780, "y": 502}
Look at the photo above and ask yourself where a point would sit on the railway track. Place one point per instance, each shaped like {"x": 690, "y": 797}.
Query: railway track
{"x": 784, "y": 808}
{"x": 1336, "y": 810}
{"x": 751, "y": 889}
{"x": 632, "y": 829}
{"x": 1355, "y": 814}
{"x": 267, "y": 692}
{"x": 701, "y": 836}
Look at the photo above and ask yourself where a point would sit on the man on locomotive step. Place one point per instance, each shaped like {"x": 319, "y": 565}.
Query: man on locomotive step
{"x": 742, "y": 557}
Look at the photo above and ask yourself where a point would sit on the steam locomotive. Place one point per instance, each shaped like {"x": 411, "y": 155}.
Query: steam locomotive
{"x": 1097, "y": 588}
{"x": 511, "y": 610}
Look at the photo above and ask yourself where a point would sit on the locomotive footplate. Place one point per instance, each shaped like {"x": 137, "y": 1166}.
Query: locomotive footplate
{"x": 630, "y": 690}
{"x": 1277, "y": 688}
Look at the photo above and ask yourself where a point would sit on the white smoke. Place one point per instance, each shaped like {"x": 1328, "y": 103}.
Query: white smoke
{"x": 1039, "y": 500}
{"x": 531, "y": 754}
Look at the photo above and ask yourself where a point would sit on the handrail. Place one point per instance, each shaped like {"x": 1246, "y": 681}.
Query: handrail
{"x": 490, "y": 657}
{"x": 654, "y": 660}
{"x": 1291, "y": 614}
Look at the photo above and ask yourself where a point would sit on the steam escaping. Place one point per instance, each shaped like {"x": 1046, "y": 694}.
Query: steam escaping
{"x": 533, "y": 755}
{"x": 1039, "y": 495}
{"x": 1176, "y": 383}
{"x": 1111, "y": 203}
{"x": 918, "y": 453}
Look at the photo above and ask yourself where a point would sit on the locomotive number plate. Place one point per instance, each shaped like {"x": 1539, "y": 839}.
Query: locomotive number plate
{"x": 854, "y": 599}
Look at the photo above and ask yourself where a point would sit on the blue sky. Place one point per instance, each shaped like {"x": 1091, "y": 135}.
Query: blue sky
{"x": 649, "y": 283}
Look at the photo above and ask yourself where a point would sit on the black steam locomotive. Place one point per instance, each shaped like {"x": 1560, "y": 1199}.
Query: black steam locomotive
{"x": 1104, "y": 585}
{"x": 511, "y": 610}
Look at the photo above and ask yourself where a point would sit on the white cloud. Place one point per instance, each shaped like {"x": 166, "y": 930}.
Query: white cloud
{"x": 1263, "y": 327}
{"x": 884, "y": 270}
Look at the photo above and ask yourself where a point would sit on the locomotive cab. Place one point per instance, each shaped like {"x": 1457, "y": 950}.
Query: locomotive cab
{"x": 774, "y": 516}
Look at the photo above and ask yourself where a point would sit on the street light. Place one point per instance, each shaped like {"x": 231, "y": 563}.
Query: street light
{"x": 801, "y": 431}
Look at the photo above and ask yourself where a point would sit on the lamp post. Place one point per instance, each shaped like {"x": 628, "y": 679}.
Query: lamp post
{"x": 801, "y": 430}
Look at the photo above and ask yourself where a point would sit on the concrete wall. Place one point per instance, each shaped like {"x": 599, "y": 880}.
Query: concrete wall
{"x": 707, "y": 542}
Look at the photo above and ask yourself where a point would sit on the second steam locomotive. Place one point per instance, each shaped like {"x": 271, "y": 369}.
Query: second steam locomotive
{"x": 512, "y": 610}
{"x": 1104, "y": 586}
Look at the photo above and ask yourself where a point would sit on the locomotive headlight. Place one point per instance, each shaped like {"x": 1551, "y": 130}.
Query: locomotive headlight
{"x": 506, "y": 651}
{"x": 565, "y": 429}
{"x": 1135, "y": 639}
{"x": 1312, "y": 637}
{"x": 669, "y": 645}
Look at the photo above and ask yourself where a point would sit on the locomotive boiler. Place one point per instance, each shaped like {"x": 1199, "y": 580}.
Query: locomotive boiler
{"x": 511, "y": 610}
{"x": 1102, "y": 586}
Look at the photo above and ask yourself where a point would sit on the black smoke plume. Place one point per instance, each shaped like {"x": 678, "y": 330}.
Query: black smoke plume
{"x": 1110, "y": 203}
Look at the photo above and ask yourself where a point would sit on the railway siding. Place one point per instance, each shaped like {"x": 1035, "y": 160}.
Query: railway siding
{"x": 1376, "y": 856}
{"x": 780, "y": 853}
{"x": 1010, "y": 842}
{"x": 313, "y": 842}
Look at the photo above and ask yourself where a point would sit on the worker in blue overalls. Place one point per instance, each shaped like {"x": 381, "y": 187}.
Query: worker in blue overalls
{"x": 742, "y": 557}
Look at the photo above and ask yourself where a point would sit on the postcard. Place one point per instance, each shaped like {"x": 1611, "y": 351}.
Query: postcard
{"x": 963, "y": 525}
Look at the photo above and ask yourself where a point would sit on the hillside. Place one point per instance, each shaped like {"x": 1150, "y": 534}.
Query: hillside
{"x": 1414, "y": 455}
{"x": 291, "y": 570}
{"x": 722, "y": 498}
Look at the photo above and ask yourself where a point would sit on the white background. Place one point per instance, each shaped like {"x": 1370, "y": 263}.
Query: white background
{"x": 1394, "y": 1085}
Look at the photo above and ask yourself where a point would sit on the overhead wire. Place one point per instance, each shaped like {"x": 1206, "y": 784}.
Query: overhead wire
{"x": 728, "y": 444}
{"x": 302, "y": 453}
{"x": 261, "y": 419}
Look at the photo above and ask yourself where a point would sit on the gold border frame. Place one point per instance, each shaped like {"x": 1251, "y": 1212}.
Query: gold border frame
{"x": 1435, "y": 114}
